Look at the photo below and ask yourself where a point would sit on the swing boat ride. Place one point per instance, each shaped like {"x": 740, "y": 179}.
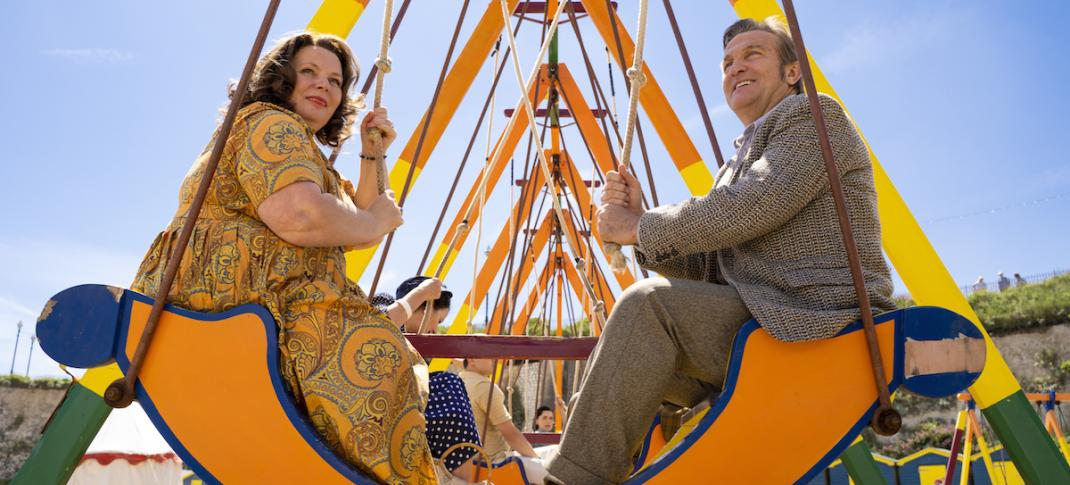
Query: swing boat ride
{"x": 138, "y": 347}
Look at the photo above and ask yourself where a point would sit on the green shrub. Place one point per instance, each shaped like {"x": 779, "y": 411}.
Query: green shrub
{"x": 1035, "y": 305}
{"x": 23, "y": 382}
{"x": 930, "y": 433}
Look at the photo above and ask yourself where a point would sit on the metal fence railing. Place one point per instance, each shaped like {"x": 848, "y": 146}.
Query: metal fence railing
{"x": 1014, "y": 281}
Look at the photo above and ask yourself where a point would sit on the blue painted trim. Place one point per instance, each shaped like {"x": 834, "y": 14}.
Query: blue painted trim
{"x": 735, "y": 361}
{"x": 646, "y": 443}
{"x": 285, "y": 400}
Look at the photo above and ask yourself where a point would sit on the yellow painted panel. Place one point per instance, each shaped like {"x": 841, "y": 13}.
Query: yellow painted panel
{"x": 337, "y": 17}
{"x": 97, "y": 379}
{"x": 1007, "y": 473}
{"x": 909, "y": 250}
{"x": 929, "y": 474}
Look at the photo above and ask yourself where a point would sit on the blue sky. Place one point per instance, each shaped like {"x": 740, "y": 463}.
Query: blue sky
{"x": 107, "y": 104}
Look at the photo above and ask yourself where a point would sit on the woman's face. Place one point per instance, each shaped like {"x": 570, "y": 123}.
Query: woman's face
{"x": 545, "y": 421}
{"x": 318, "y": 86}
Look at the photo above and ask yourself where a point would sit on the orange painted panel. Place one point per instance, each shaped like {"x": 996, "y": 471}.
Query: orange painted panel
{"x": 794, "y": 382}
{"x": 208, "y": 379}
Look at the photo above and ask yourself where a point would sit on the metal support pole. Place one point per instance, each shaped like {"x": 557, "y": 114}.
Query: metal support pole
{"x": 18, "y": 334}
{"x": 33, "y": 338}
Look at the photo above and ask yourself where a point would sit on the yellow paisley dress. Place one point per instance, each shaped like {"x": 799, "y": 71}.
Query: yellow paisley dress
{"x": 348, "y": 365}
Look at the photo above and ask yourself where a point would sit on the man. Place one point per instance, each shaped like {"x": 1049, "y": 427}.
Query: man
{"x": 764, "y": 242}
{"x": 440, "y": 307}
{"x": 500, "y": 435}
{"x": 1003, "y": 282}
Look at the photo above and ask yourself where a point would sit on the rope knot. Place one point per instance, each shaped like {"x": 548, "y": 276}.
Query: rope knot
{"x": 637, "y": 76}
{"x": 384, "y": 64}
{"x": 600, "y": 307}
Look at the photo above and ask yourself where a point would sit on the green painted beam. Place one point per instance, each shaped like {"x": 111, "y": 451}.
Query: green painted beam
{"x": 1026, "y": 441}
{"x": 860, "y": 464}
{"x": 67, "y": 435}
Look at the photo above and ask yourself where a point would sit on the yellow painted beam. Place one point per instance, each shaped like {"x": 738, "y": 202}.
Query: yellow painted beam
{"x": 908, "y": 248}
{"x": 337, "y": 17}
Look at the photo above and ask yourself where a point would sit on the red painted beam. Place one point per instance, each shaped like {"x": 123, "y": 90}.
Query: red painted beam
{"x": 543, "y": 438}
{"x": 587, "y": 183}
{"x": 561, "y": 113}
{"x": 540, "y": 7}
{"x": 503, "y": 347}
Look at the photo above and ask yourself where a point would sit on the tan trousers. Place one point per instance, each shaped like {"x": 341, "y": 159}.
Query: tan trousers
{"x": 666, "y": 340}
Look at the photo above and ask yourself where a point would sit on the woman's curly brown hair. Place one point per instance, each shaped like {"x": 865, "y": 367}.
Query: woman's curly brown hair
{"x": 274, "y": 77}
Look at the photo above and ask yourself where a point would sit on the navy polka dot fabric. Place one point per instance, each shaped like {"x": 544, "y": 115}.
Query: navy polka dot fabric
{"x": 449, "y": 419}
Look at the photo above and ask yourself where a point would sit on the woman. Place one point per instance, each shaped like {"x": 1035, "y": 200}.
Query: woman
{"x": 272, "y": 232}
{"x": 544, "y": 420}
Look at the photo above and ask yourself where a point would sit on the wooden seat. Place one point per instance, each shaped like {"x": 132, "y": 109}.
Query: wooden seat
{"x": 210, "y": 384}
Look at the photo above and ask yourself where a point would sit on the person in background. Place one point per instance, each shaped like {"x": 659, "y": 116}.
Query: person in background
{"x": 501, "y": 438}
{"x": 440, "y": 307}
{"x": 1003, "y": 282}
{"x": 979, "y": 285}
{"x": 449, "y": 411}
{"x": 544, "y": 420}
{"x": 1019, "y": 281}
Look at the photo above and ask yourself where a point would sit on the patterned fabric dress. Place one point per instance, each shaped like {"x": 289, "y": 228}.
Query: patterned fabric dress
{"x": 450, "y": 420}
{"x": 346, "y": 363}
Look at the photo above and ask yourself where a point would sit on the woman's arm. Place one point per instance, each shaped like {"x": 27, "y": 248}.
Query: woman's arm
{"x": 302, "y": 215}
{"x": 367, "y": 186}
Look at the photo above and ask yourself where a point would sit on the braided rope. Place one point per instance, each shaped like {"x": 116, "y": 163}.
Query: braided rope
{"x": 617, "y": 260}
{"x": 533, "y": 128}
{"x": 384, "y": 66}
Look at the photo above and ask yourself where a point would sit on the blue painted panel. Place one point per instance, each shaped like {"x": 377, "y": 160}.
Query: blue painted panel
{"x": 80, "y": 325}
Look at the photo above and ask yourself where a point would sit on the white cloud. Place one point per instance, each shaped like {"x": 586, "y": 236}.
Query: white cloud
{"x": 91, "y": 55}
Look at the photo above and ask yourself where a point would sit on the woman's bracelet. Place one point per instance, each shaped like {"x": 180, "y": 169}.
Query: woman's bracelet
{"x": 372, "y": 158}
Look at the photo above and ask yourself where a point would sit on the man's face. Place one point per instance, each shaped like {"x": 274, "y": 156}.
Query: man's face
{"x": 754, "y": 80}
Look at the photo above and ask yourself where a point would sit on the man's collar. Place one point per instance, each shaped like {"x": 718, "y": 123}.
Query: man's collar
{"x": 751, "y": 128}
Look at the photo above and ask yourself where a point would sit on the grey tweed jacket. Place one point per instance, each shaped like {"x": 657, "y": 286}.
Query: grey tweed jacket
{"x": 769, "y": 227}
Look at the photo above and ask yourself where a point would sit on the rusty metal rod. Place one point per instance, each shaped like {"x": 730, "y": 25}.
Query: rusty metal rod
{"x": 120, "y": 393}
{"x": 886, "y": 419}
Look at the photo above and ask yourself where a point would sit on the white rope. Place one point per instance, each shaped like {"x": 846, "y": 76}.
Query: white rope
{"x": 384, "y": 66}
{"x": 637, "y": 79}
{"x": 533, "y": 128}
{"x": 383, "y": 62}
{"x": 482, "y": 203}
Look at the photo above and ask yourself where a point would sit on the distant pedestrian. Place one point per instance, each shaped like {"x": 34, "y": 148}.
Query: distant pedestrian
{"x": 1019, "y": 281}
{"x": 1003, "y": 282}
{"x": 979, "y": 285}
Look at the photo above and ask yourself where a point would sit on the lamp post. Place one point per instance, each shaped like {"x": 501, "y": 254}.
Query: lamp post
{"x": 33, "y": 338}
{"x": 18, "y": 333}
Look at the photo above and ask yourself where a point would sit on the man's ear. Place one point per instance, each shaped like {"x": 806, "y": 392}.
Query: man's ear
{"x": 793, "y": 73}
